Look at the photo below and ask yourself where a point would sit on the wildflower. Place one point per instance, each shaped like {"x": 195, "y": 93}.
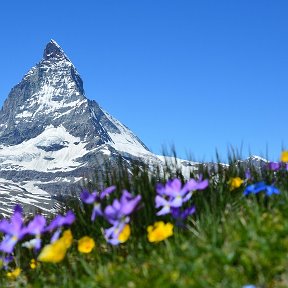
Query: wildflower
{"x": 4, "y": 261}
{"x": 58, "y": 223}
{"x": 56, "y": 251}
{"x": 86, "y": 244}
{"x": 67, "y": 238}
{"x": 118, "y": 214}
{"x": 112, "y": 234}
{"x": 166, "y": 205}
{"x": 14, "y": 230}
{"x": 235, "y": 183}
{"x": 199, "y": 184}
{"x": 261, "y": 186}
{"x": 270, "y": 190}
{"x": 118, "y": 233}
{"x": 14, "y": 274}
{"x": 33, "y": 264}
{"x": 254, "y": 188}
{"x": 159, "y": 231}
{"x": 95, "y": 198}
{"x": 33, "y": 243}
{"x": 173, "y": 195}
{"x": 35, "y": 227}
{"x": 180, "y": 215}
{"x": 248, "y": 175}
{"x": 173, "y": 189}
{"x": 124, "y": 234}
{"x": 284, "y": 156}
{"x": 274, "y": 166}
{"x": 120, "y": 210}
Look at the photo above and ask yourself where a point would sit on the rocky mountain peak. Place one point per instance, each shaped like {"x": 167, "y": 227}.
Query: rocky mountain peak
{"x": 54, "y": 51}
{"x": 51, "y": 135}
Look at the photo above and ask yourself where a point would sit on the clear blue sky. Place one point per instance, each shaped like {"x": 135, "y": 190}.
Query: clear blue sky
{"x": 199, "y": 74}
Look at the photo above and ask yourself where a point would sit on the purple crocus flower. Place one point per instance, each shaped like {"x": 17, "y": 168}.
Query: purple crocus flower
{"x": 173, "y": 195}
{"x": 95, "y": 198}
{"x": 261, "y": 186}
{"x": 14, "y": 230}
{"x": 119, "y": 210}
{"x": 35, "y": 227}
{"x": 58, "y": 222}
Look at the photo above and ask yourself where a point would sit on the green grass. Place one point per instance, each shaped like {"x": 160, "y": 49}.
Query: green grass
{"x": 230, "y": 241}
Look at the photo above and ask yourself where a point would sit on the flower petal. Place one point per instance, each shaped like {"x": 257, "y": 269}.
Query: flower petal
{"x": 107, "y": 191}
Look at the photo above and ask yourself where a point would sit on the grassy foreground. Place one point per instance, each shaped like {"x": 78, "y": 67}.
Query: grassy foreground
{"x": 230, "y": 241}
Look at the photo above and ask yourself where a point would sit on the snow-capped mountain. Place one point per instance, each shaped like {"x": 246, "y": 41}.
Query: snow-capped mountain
{"x": 51, "y": 135}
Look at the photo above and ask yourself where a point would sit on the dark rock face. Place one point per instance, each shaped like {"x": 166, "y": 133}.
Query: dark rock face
{"x": 51, "y": 135}
{"x": 50, "y": 93}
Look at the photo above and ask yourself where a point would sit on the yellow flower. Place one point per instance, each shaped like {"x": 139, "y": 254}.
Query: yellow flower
{"x": 33, "y": 264}
{"x": 86, "y": 244}
{"x": 284, "y": 156}
{"x": 235, "y": 183}
{"x": 159, "y": 231}
{"x": 67, "y": 238}
{"x": 14, "y": 274}
{"x": 125, "y": 234}
{"x": 56, "y": 251}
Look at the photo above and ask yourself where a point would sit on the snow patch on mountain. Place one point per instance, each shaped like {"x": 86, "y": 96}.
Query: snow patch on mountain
{"x": 53, "y": 150}
{"x": 11, "y": 194}
{"x": 125, "y": 141}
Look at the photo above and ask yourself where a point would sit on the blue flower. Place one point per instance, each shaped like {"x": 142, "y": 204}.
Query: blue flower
{"x": 261, "y": 186}
{"x": 270, "y": 190}
{"x": 255, "y": 188}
